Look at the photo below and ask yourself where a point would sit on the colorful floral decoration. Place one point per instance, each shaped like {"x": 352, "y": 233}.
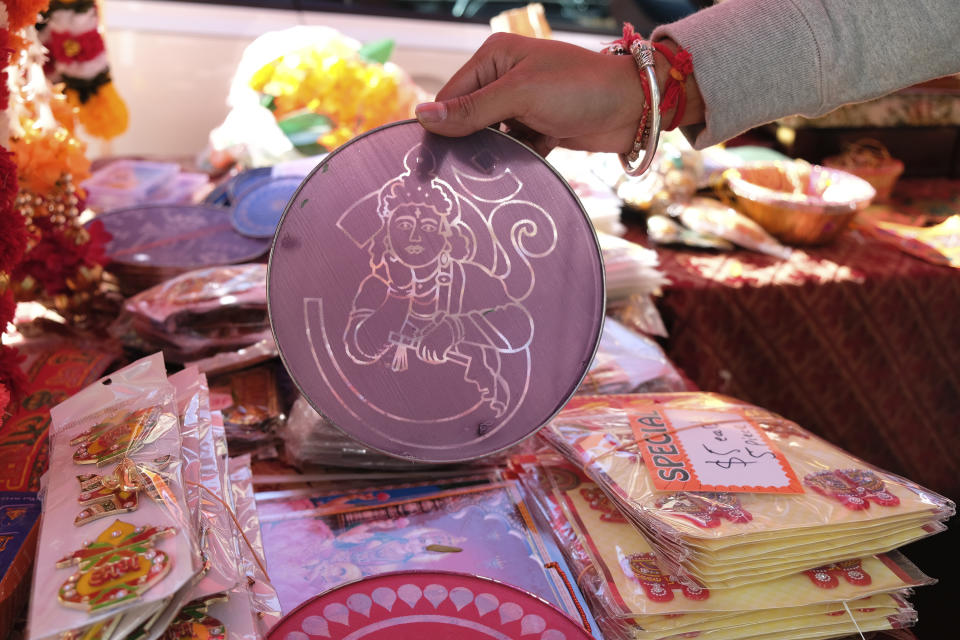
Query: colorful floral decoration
{"x": 78, "y": 58}
{"x": 54, "y": 258}
{"x": 322, "y": 96}
{"x": 13, "y": 239}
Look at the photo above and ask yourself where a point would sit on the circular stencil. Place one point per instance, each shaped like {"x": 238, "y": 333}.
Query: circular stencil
{"x": 438, "y": 299}
{"x": 180, "y": 236}
{"x": 416, "y": 605}
{"x": 261, "y": 206}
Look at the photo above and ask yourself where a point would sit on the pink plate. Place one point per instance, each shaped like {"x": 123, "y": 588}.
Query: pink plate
{"x": 438, "y": 299}
{"x": 419, "y": 605}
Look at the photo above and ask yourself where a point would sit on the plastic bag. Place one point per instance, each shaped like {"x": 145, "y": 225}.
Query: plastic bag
{"x": 616, "y": 566}
{"x": 125, "y": 428}
{"x": 729, "y": 494}
{"x": 263, "y": 596}
{"x": 627, "y": 362}
{"x": 712, "y": 218}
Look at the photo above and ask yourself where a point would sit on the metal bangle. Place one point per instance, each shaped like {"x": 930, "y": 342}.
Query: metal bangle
{"x": 649, "y": 137}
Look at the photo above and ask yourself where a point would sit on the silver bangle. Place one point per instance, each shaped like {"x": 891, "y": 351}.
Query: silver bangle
{"x": 649, "y": 136}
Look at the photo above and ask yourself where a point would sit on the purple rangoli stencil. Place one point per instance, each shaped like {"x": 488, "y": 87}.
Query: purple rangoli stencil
{"x": 437, "y": 299}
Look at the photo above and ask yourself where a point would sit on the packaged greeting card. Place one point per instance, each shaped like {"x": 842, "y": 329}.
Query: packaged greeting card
{"x": 116, "y": 536}
{"x": 634, "y": 598}
{"x": 730, "y": 494}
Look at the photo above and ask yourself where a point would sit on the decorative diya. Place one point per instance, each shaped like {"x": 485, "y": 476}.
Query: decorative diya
{"x": 438, "y": 299}
{"x": 426, "y": 604}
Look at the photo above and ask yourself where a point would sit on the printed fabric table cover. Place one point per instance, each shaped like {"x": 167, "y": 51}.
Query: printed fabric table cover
{"x": 857, "y": 341}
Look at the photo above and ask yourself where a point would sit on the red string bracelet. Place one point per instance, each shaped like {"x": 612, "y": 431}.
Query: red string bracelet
{"x": 681, "y": 66}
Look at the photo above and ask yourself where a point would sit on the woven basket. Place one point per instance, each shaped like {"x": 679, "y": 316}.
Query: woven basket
{"x": 870, "y": 160}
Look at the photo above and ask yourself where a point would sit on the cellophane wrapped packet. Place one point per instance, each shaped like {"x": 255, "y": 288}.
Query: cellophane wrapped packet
{"x": 199, "y": 313}
{"x": 939, "y": 244}
{"x": 311, "y": 440}
{"x": 629, "y": 362}
{"x": 116, "y": 537}
{"x": 263, "y": 596}
{"x": 249, "y": 401}
{"x": 629, "y": 268}
{"x": 729, "y": 494}
{"x": 710, "y": 217}
{"x": 633, "y": 598}
{"x": 205, "y": 491}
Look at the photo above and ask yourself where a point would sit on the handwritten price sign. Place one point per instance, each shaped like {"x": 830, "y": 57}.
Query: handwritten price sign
{"x": 688, "y": 450}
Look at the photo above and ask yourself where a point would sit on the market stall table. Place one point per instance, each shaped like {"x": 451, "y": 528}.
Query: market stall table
{"x": 857, "y": 341}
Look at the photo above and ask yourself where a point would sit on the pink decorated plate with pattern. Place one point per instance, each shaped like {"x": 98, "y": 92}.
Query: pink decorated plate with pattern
{"x": 415, "y": 605}
{"x": 438, "y": 299}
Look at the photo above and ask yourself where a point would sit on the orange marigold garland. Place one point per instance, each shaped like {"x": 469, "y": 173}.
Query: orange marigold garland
{"x": 78, "y": 59}
{"x": 62, "y": 260}
{"x": 12, "y": 229}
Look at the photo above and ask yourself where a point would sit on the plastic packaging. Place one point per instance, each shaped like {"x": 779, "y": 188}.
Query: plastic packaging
{"x": 662, "y": 229}
{"x": 249, "y": 401}
{"x": 125, "y": 428}
{"x": 710, "y": 217}
{"x": 628, "y": 362}
{"x": 263, "y": 595}
{"x": 479, "y": 529}
{"x": 180, "y": 302}
{"x": 734, "y": 494}
{"x": 204, "y": 487}
{"x": 124, "y": 183}
{"x": 630, "y": 268}
{"x": 939, "y": 244}
{"x": 616, "y": 566}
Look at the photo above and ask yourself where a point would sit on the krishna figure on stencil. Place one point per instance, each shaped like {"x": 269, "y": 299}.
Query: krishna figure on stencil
{"x": 432, "y": 246}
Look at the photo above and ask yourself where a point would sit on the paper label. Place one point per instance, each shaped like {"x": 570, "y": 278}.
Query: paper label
{"x": 689, "y": 450}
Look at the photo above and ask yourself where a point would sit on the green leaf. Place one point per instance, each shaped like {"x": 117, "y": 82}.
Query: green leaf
{"x": 305, "y": 120}
{"x": 377, "y": 51}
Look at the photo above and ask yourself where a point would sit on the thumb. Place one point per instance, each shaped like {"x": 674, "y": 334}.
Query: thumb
{"x": 470, "y": 112}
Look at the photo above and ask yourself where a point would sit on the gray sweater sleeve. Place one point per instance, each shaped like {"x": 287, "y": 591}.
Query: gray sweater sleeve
{"x": 759, "y": 60}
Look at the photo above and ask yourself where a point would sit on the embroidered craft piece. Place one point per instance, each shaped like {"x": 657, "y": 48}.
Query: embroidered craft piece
{"x": 117, "y": 567}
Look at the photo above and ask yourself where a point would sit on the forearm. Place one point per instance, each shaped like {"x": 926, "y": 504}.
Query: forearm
{"x": 759, "y": 60}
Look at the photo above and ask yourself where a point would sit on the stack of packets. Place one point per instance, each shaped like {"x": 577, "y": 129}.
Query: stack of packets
{"x": 147, "y": 530}
{"x": 629, "y": 362}
{"x": 747, "y": 524}
{"x": 199, "y": 313}
{"x": 476, "y": 524}
{"x": 633, "y": 278}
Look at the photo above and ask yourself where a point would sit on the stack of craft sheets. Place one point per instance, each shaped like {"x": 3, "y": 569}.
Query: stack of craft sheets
{"x": 633, "y": 599}
{"x": 731, "y": 496}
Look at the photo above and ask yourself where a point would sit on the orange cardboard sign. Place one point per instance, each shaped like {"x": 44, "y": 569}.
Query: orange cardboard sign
{"x": 704, "y": 450}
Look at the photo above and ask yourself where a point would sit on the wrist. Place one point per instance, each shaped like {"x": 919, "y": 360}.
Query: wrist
{"x": 693, "y": 111}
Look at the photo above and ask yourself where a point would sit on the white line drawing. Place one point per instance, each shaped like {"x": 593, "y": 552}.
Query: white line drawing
{"x": 428, "y": 246}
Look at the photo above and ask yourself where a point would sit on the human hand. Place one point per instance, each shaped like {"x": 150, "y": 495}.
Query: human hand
{"x": 437, "y": 342}
{"x": 548, "y": 93}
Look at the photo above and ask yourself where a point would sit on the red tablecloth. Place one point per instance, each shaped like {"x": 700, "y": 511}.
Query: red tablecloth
{"x": 857, "y": 341}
